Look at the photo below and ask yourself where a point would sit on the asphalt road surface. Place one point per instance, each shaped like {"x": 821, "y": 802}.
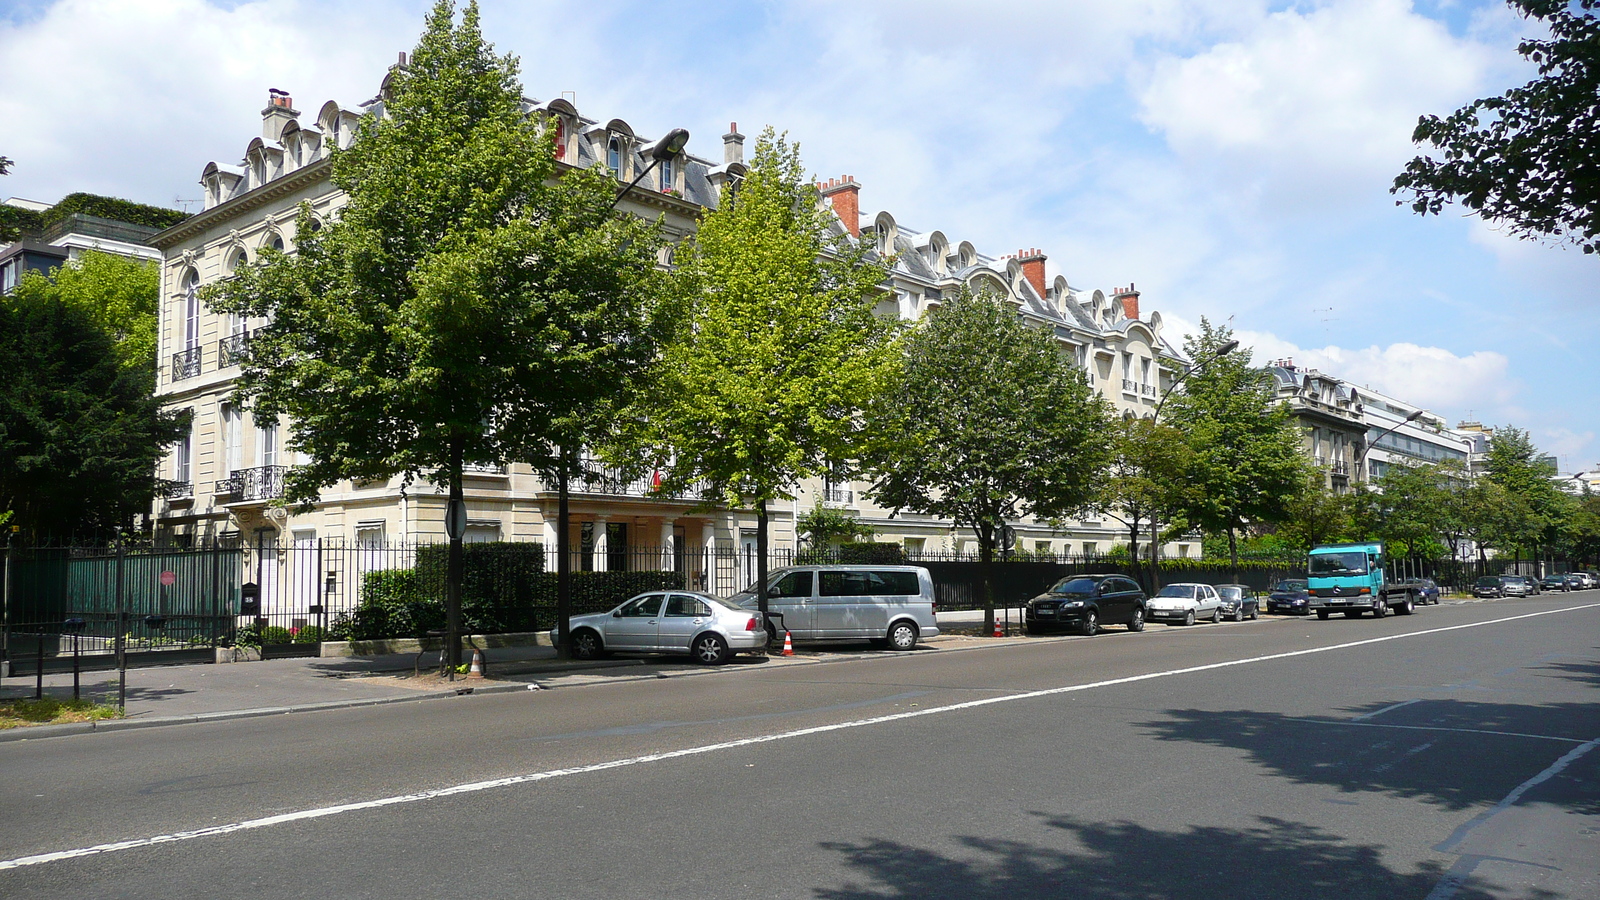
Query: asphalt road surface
{"x": 1449, "y": 754}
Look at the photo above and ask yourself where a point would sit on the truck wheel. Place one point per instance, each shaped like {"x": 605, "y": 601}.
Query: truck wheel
{"x": 1380, "y": 609}
{"x": 1406, "y": 606}
{"x": 1323, "y": 614}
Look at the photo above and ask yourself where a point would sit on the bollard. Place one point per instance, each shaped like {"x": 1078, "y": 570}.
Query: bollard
{"x": 38, "y": 671}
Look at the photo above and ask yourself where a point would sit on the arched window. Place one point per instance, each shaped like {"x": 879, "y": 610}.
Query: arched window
{"x": 614, "y": 155}
{"x": 191, "y": 311}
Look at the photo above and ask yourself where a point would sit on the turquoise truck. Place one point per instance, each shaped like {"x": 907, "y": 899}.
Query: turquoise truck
{"x": 1348, "y": 578}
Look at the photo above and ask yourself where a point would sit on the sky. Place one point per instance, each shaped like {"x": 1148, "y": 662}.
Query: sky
{"x": 1230, "y": 158}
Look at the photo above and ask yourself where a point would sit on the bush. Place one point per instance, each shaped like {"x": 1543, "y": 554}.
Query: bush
{"x": 310, "y": 634}
{"x": 272, "y": 634}
{"x": 391, "y": 606}
{"x": 248, "y": 636}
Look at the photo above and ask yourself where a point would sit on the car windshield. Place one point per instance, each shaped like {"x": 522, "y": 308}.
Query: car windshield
{"x": 1292, "y": 584}
{"x": 1184, "y": 591}
{"x": 1073, "y": 586}
{"x": 1230, "y": 593}
{"x": 1354, "y": 563}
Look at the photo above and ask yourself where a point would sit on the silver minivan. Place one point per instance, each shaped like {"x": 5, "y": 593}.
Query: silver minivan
{"x": 891, "y": 606}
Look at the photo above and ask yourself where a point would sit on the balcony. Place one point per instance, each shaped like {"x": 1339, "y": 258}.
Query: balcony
{"x": 832, "y": 496}
{"x": 176, "y": 490}
{"x": 230, "y": 350}
{"x": 1130, "y": 386}
{"x": 251, "y": 485}
{"x": 483, "y": 469}
{"x": 1149, "y": 390}
{"x": 186, "y": 364}
{"x": 1341, "y": 467}
{"x": 602, "y": 479}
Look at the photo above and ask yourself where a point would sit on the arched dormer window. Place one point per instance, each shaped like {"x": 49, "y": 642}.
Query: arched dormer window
{"x": 561, "y": 138}
{"x": 614, "y": 155}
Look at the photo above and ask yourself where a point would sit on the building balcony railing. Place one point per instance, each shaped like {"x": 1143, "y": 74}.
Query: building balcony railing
{"x": 1341, "y": 467}
{"x": 1149, "y": 390}
{"x": 248, "y": 485}
{"x": 833, "y": 496}
{"x": 484, "y": 468}
{"x": 602, "y": 479}
{"x": 176, "y": 490}
{"x": 230, "y": 350}
{"x": 186, "y": 364}
{"x": 1131, "y": 386}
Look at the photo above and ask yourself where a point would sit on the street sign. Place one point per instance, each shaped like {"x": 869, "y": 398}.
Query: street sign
{"x": 168, "y": 579}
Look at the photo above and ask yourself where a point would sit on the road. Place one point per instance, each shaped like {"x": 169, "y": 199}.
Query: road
{"x": 1442, "y": 755}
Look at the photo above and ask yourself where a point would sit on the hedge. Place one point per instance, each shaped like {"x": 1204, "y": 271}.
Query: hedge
{"x": 112, "y": 208}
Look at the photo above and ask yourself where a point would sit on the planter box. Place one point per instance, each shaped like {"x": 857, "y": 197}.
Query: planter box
{"x": 412, "y": 645}
{"x": 291, "y": 651}
{"x": 99, "y": 662}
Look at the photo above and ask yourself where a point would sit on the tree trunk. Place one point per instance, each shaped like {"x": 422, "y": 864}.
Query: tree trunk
{"x": 455, "y": 566}
{"x": 986, "y": 562}
{"x": 1155, "y": 554}
{"x": 1133, "y": 544}
{"x": 563, "y": 559}
{"x": 761, "y": 558}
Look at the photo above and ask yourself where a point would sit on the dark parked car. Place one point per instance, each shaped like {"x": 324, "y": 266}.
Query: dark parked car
{"x": 1239, "y": 601}
{"x": 1289, "y": 596}
{"x": 1424, "y": 588}
{"x": 1557, "y": 583}
{"x": 1085, "y": 602}
{"x": 1489, "y": 586}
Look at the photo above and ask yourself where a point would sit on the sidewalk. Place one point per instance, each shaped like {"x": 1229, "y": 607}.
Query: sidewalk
{"x": 187, "y": 694}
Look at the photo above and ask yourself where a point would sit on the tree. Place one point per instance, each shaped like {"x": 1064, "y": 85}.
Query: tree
{"x": 821, "y": 526}
{"x": 764, "y": 383}
{"x": 440, "y": 320}
{"x": 1527, "y": 158}
{"x": 1316, "y": 515}
{"x": 80, "y": 434}
{"x": 5, "y": 165}
{"x": 1248, "y": 465}
{"x": 987, "y": 421}
{"x": 1145, "y": 480}
{"x": 118, "y": 293}
{"x": 1513, "y": 463}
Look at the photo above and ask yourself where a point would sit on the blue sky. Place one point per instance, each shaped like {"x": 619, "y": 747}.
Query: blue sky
{"x": 1231, "y": 158}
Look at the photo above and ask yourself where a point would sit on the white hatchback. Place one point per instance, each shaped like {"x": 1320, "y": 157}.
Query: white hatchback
{"x": 1185, "y": 603}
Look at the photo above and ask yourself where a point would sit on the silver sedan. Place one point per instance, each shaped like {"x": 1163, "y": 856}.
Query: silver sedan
{"x": 708, "y": 629}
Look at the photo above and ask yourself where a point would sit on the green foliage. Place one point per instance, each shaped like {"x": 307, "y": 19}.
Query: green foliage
{"x": 1148, "y": 475}
{"x": 16, "y": 222}
{"x": 1248, "y": 466}
{"x": 247, "y": 636}
{"x": 986, "y": 421}
{"x": 18, "y": 712}
{"x": 118, "y": 293}
{"x": 80, "y": 434}
{"x": 1526, "y": 158}
{"x": 1316, "y": 515}
{"x": 822, "y": 526}
{"x": 854, "y": 553}
{"x": 764, "y": 383}
{"x": 112, "y": 208}
{"x": 409, "y": 602}
{"x": 310, "y": 634}
{"x": 274, "y": 634}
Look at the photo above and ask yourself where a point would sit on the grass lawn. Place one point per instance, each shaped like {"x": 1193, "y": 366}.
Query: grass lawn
{"x": 49, "y": 711}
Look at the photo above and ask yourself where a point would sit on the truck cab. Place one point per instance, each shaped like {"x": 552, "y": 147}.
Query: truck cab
{"x": 1348, "y": 578}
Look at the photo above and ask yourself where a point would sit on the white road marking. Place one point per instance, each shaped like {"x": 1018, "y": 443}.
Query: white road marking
{"x": 1458, "y": 874}
{"x": 1388, "y": 708}
{"x": 477, "y": 786}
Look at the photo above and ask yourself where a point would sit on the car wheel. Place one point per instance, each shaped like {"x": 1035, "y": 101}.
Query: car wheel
{"x": 1323, "y": 614}
{"x": 902, "y": 636}
{"x": 1255, "y": 614}
{"x": 1137, "y": 622}
{"x": 710, "y": 649}
{"x": 1188, "y": 618}
{"x": 1091, "y": 624}
{"x": 1380, "y": 609}
{"x": 1238, "y": 614}
{"x": 1216, "y": 616}
{"x": 586, "y": 644}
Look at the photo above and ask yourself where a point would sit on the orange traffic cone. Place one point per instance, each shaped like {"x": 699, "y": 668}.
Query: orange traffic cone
{"x": 477, "y": 664}
{"x": 788, "y": 643}
{"x": 997, "y": 631}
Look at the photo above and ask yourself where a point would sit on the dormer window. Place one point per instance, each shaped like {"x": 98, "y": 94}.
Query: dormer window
{"x": 667, "y": 171}
{"x": 614, "y": 155}
{"x": 561, "y": 139}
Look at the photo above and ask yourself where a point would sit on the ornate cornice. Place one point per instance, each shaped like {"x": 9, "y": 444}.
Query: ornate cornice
{"x": 261, "y": 196}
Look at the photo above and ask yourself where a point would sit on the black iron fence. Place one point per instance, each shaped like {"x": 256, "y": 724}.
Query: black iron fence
{"x": 287, "y": 598}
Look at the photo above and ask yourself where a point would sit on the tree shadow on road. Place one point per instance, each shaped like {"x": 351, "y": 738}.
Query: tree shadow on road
{"x": 1453, "y": 753}
{"x": 1125, "y": 861}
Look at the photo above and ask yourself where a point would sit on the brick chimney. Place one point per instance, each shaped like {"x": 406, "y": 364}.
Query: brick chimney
{"x": 732, "y": 145}
{"x": 1129, "y": 299}
{"x": 845, "y": 195}
{"x": 279, "y": 113}
{"x": 1033, "y": 268}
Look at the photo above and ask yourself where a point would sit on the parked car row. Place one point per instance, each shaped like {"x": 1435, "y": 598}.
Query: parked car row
{"x": 1085, "y": 603}
{"x": 890, "y": 606}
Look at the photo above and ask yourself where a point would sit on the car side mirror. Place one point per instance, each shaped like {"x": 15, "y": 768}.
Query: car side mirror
{"x": 617, "y": 614}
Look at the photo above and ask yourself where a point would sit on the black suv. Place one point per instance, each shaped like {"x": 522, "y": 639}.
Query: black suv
{"x": 1085, "y": 602}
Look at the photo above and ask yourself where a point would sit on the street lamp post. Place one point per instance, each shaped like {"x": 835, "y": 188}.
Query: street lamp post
{"x": 1368, "y": 445}
{"x": 1155, "y": 415}
{"x": 668, "y": 147}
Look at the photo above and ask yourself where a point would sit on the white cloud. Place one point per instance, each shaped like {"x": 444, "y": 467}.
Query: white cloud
{"x": 1310, "y": 106}
{"x": 1431, "y": 377}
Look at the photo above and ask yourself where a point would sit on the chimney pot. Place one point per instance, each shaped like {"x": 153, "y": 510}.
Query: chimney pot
{"x": 845, "y": 195}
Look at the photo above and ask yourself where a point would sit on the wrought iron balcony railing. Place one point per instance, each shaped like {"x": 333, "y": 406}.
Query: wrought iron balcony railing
{"x": 230, "y": 350}
{"x": 246, "y": 485}
{"x": 186, "y": 364}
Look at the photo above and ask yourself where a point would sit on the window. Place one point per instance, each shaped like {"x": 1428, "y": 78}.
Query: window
{"x": 666, "y": 175}
{"x": 794, "y": 584}
{"x": 269, "y": 444}
{"x": 683, "y": 606}
{"x": 617, "y": 546}
{"x": 915, "y": 546}
{"x": 183, "y": 464}
{"x": 643, "y": 608}
{"x": 369, "y": 535}
{"x": 843, "y": 584}
{"x": 894, "y": 583}
{"x": 230, "y": 439}
{"x": 561, "y": 139}
{"x": 191, "y": 312}
{"x": 614, "y": 155}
